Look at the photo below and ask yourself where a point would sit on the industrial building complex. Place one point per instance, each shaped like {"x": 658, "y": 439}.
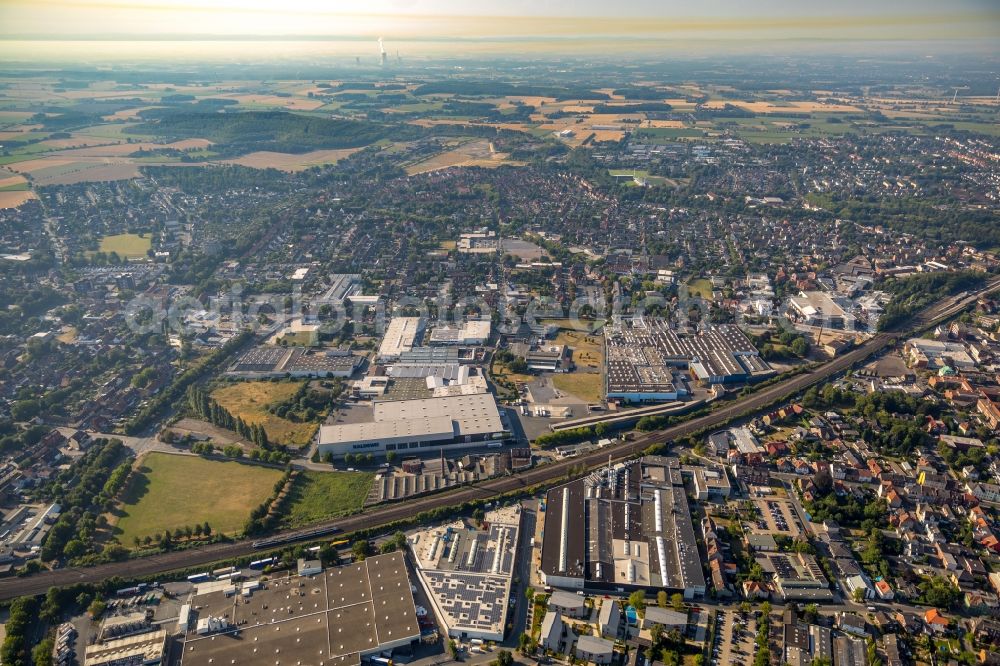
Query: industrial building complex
{"x": 277, "y": 361}
{"x": 646, "y": 359}
{"x": 443, "y": 422}
{"x": 332, "y": 617}
{"x": 472, "y": 332}
{"x": 623, "y": 527}
{"x": 401, "y": 335}
{"x": 467, "y": 573}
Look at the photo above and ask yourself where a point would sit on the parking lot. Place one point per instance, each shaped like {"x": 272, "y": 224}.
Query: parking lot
{"x": 733, "y": 643}
{"x": 777, "y": 517}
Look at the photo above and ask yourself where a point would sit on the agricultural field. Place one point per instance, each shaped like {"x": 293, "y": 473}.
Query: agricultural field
{"x": 290, "y": 162}
{"x": 249, "y": 401}
{"x": 13, "y": 182}
{"x": 668, "y": 134}
{"x": 15, "y": 198}
{"x": 786, "y": 107}
{"x": 170, "y": 491}
{"x": 265, "y": 101}
{"x": 319, "y": 495}
{"x": 60, "y": 171}
{"x": 130, "y": 246}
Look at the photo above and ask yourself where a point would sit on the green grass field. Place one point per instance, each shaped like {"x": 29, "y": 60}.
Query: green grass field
{"x": 172, "y": 491}
{"x": 702, "y": 287}
{"x": 587, "y": 386}
{"x": 131, "y": 246}
{"x": 319, "y": 495}
{"x": 588, "y": 356}
{"x": 24, "y": 153}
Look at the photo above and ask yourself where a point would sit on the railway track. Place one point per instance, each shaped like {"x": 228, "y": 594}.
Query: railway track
{"x": 549, "y": 473}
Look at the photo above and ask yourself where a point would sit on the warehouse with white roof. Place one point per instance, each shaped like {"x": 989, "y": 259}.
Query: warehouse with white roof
{"x": 451, "y": 421}
{"x": 400, "y": 336}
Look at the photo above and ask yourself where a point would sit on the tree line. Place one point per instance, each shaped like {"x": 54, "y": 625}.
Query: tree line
{"x": 202, "y": 404}
{"x": 84, "y": 492}
{"x": 263, "y": 515}
{"x": 172, "y": 393}
{"x": 914, "y": 293}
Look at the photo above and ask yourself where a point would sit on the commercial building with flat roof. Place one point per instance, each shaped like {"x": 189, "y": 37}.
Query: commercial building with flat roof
{"x": 400, "y": 336}
{"x": 796, "y": 576}
{"x": 710, "y": 482}
{"x": 145, "y": 649}
{"x": 467, "y": 574}
{"x": 450, "y": 421}
{"x": 335, "y": 617}
{"x": 627, "y": 526}
{"x": 472, "y": 332}
{"x": 817, "y": 308}
{"x": 342, "y": 285}
{"x": 849, "y": 651}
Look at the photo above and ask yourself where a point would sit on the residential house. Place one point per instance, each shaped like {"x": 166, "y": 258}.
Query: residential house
{"x": 935, "y": 621}
{"x": 610, "y": 619}
{"x": 595, "y": 649}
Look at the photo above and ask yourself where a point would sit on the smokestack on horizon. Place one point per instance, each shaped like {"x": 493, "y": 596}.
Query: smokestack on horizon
{"x": 383, "y": 57}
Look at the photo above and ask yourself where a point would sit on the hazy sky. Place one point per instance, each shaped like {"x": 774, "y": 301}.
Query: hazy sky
{"x": 910, "y": 20}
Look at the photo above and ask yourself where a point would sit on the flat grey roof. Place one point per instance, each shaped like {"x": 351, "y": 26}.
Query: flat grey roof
{"x": 329, "y": 619}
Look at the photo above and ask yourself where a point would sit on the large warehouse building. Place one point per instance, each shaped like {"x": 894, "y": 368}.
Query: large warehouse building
{"x": 646, "y": 357}
{"x": 410, "y": 425}
{"x": 401, "y": 335}
{"x": 628, "y": 527}
{"x": 333, "y": 617}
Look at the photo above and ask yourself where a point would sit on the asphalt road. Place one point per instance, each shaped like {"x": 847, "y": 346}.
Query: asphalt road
{"x": 384, "y": 515}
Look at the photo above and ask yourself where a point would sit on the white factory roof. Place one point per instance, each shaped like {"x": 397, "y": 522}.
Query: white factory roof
{"x": 439, "y": 427}
{"x": 811, "y": 303}
{"x": 471, "y": 332}
{"x": 400, "y": 335}
{"x": 428, "y": 418}
{"x": 745, "y": 442}
{"x": 474, "y": 414}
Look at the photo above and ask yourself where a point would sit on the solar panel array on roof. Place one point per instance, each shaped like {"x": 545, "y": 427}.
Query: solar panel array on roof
{"x": 279, "y": 360}
{"x": 449, "y": 371}
{"x": 468, "y": 573}
{"x": 642, "y": 355}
